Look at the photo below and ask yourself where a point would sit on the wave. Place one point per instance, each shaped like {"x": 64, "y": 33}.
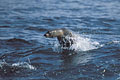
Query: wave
{"x": 23, "y": 65}
{"x": 36, "y": 29}
{"x": 4, "y": 26}
{"x": 18, "y": 40}
{"x": 7, "y": 68}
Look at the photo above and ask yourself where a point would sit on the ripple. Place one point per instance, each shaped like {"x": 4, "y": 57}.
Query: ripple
{"x": 18, "y": 40}
{"x": 36, "y": 29}
{"x": 4, "y": 26}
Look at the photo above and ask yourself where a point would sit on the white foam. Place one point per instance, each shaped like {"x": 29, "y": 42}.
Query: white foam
{"x": 116, "y": 41}
{"x": 84, "y": 44}
{"x": 24, "y": 65}
{"x": 111, "y": 42}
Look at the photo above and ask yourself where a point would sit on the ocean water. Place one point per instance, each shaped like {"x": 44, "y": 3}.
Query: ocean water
{"x": 25, "y": 54}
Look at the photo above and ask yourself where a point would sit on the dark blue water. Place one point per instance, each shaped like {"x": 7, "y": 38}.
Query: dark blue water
{"x": 25, "y": 54}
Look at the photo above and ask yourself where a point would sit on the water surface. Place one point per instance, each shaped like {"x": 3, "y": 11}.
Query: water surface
{"x": 26, "y": 54}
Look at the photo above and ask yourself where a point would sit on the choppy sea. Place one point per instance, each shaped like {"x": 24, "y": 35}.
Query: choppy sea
{"x": 25, "y": 54}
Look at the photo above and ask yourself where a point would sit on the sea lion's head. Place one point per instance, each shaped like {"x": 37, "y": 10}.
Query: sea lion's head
{"x": 54, "y": 33}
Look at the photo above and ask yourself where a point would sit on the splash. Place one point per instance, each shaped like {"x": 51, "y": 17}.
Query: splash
{"x": 23, "y": 65}
{"x": 84, "y": 44}
{"x": 111, "y": 42}
{"x": 116, "y": 42}
{"x": 80, "y": 44}
{"x": 20, "y": 65}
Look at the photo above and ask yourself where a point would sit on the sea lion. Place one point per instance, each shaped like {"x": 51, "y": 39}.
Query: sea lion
{"x": 63, "y": 35}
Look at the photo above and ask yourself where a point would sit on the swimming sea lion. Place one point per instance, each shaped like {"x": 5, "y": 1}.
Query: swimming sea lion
{"x": 63, "y": 35}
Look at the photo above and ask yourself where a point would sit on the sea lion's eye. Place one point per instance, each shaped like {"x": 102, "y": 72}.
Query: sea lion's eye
{"x": 48, "y": 32}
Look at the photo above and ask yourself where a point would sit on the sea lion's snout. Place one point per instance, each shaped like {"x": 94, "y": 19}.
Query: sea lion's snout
{"x": 46, "y": 35}
{"x": 49, "y": 34}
